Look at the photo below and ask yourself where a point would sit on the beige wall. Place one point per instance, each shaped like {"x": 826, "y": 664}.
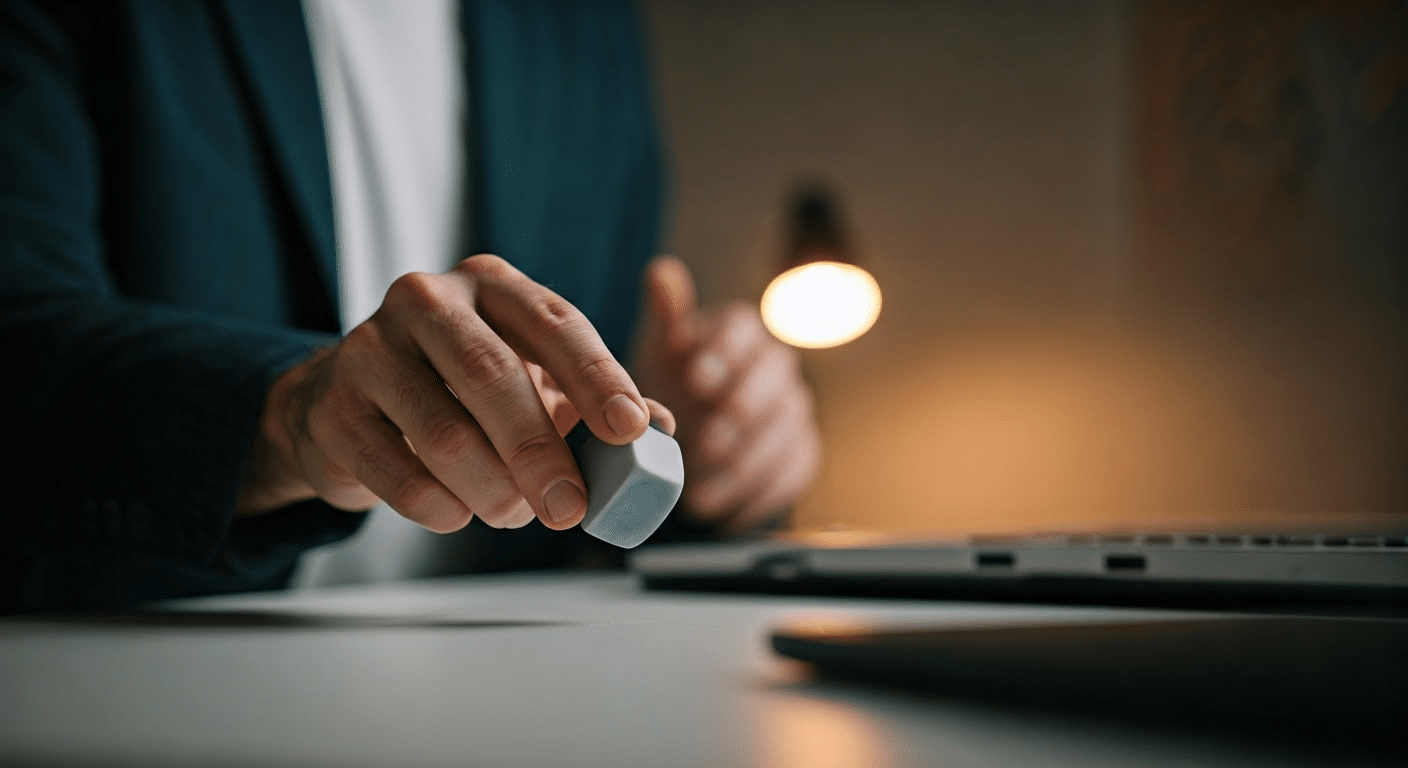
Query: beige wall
{"x": 981, "y": 151}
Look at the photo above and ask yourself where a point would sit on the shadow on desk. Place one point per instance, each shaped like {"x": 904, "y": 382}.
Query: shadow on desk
{"x": 1323, "y": 684}
{"x": 274, "y": 620}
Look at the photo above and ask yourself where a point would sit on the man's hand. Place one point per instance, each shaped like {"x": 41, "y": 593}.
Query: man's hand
{"x": 449, "y": 402}
{"x": 747, "y": 422}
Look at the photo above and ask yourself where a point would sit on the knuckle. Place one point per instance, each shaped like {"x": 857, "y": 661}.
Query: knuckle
{"x": 553, "y": 315}
{"x": 533, "y": 450}
{"x": 415, "y": 289}
{"x": 447, "y": 315}
{"x": 367, "y": 459}
{"x": 485, "y": 265}
{"x": 450, "y": 439}
{"x": 408, "y": 396}
{"x": 598, "y": 371}
{"x": 487, "y": 366}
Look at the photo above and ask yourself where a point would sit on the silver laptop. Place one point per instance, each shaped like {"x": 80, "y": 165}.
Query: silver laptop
{"x": 1364, "y": 570}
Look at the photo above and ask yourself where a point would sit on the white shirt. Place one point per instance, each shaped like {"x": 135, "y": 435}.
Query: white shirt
{"x": 390, "y": 78}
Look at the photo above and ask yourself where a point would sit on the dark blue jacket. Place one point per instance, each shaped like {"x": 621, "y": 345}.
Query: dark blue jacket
{"x": 166, "y": 249}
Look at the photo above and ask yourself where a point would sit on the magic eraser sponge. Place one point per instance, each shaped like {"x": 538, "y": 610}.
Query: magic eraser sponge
{"x": 630, "y": 488}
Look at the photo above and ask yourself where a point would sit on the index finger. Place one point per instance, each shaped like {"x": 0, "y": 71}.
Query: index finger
{"x": 728, "y": 347}
{"x": 546, "y": 329}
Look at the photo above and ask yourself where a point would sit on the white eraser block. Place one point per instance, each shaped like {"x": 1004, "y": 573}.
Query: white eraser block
{"x": 630, "y": 488}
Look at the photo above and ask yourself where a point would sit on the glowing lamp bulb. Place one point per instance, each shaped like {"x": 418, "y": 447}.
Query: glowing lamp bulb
{"x": 821, "y": 304}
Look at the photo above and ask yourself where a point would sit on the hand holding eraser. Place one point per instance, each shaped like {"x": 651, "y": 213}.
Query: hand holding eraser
{"x": 630, "y": 488}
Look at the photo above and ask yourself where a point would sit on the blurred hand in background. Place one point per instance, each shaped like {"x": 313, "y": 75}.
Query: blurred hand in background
{"x": 747, "y": 421}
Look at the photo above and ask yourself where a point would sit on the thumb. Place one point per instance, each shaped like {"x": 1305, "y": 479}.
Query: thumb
{"x": 671, "y": 296}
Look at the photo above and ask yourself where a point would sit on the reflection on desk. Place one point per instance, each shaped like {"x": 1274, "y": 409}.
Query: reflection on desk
{"x": 546, "y": 670}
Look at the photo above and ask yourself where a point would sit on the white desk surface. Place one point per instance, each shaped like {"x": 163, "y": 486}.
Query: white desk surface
{"x": 542, "y": 671}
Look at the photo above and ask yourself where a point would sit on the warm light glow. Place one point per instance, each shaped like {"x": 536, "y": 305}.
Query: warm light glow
{"x": 821, "y": 304}
{"x": 796, "y": 729}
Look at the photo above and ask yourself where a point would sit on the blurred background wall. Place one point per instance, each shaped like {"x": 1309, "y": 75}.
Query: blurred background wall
{"x": 1141, "y": 259}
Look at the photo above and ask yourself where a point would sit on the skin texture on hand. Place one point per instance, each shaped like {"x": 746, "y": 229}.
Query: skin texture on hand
{"x": 747, "y": 423}
{"x": 449, "y": 402}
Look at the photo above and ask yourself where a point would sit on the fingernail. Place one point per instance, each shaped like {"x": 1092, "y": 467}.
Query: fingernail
{"x": 709, "y": 372}
{"x": 564, "y": 501}
{"x": 623, "y": 415}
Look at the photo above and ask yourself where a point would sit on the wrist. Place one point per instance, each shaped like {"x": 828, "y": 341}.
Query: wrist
{"x": 271, "y": 478}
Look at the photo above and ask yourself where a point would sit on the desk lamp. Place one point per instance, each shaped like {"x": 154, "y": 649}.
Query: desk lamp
{"x": 822, "y": 298}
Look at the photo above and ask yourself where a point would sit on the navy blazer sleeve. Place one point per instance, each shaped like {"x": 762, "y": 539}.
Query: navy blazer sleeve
{"x": 166, "y": 250}
{"x": 131, "y": 388}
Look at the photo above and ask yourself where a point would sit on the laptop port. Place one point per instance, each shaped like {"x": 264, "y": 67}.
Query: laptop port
{"x": 996, "y": 560}
{"x": 1124, "y": 563}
